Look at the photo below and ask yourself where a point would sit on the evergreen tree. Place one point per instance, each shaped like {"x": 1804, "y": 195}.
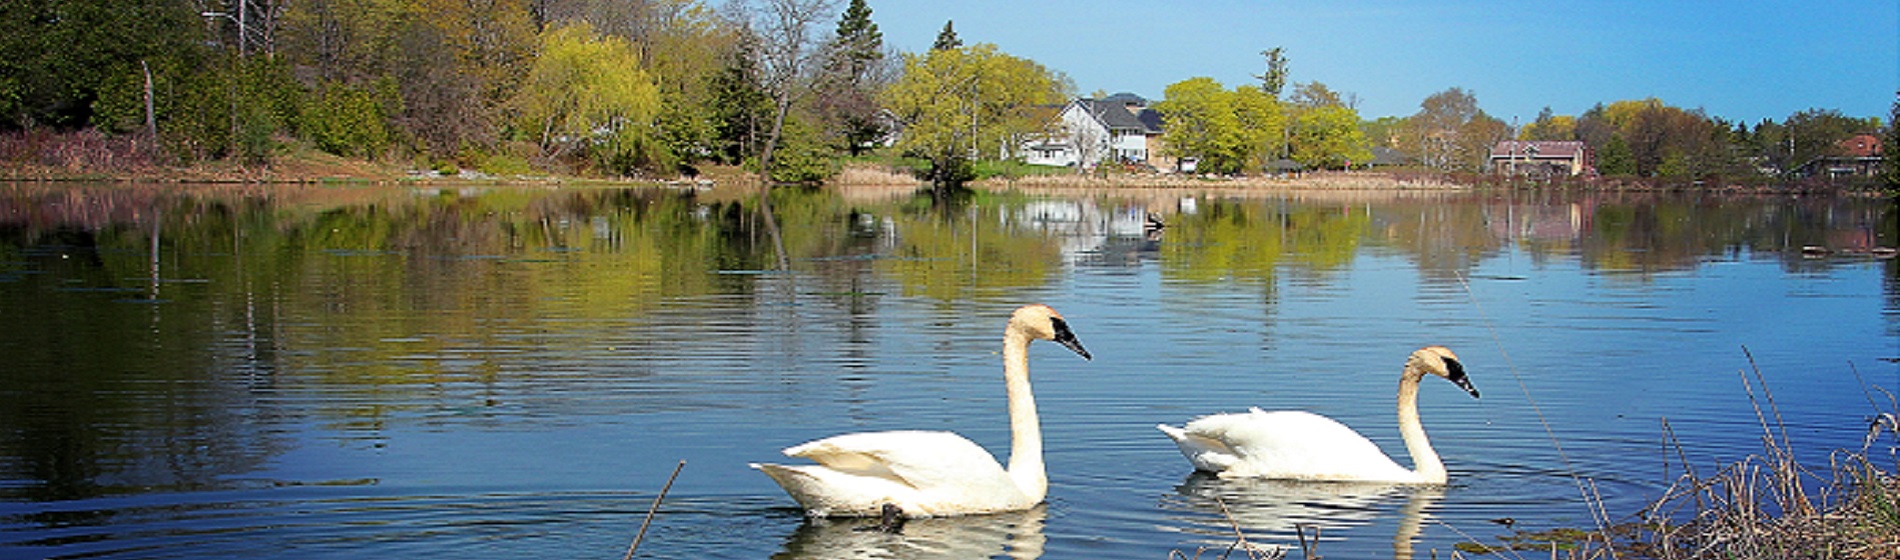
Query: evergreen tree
{"x": 1615, "y": 158}
{"x": 947, "y": 39}
{"x": 1274, "y": 80}
{"x": 846, "y": 101}
{"x": 859, "y": 43}
{"x": 1893, "y": 143}
{"x": 742, "y": 109}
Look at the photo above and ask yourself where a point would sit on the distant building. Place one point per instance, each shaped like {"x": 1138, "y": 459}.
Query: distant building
{"x": 1542, "y": 158}
{"x": 1858, "y": 156}
{"x": 1119, "y": 129}
{"x": 1389, "y": 157}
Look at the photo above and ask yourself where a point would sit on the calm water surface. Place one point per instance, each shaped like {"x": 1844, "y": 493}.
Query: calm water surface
{"x": 513, "y": 372}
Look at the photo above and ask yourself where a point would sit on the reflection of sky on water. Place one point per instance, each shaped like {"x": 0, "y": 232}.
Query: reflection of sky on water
{"x": 503, "y": 371}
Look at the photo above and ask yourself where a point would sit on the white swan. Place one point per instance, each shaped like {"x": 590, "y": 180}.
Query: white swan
{"x": 1301, "y": 445}
{"x": 935, "y": 473}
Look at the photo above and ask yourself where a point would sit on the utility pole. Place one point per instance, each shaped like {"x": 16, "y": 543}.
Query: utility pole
{"x": 243, "y": 29}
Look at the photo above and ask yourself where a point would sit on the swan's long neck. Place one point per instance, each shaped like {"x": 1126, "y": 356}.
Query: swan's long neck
{"x": 1425, "y": 460}
{"x": 1025, "y": 429}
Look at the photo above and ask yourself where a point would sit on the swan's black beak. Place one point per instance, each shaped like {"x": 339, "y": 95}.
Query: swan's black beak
{"x": 1066, "y": 338}
{"x": 1456, "y": 373}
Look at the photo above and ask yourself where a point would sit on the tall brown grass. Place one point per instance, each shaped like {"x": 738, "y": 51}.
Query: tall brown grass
{"x": 1772, "y": 506}
{"x": 1764, "y": 506}
{"x": 42, "y": 153}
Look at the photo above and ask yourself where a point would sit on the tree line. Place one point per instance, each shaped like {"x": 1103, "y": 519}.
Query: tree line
{"x": 661, "y": 87}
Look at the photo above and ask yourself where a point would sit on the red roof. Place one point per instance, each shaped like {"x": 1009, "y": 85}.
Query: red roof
{"x": 1862, "y": 145}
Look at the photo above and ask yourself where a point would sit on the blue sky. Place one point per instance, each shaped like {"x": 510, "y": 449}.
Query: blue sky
{"x": 1739, "y": 60}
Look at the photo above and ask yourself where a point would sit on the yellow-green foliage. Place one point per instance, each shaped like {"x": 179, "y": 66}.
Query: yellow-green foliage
{"x": 1231, "y": 131}
{"x": 586, "y": 92}
{"x": 1329, "y": 138}
{"x": 970, "y": 100}
{"x": 345, "y": 120}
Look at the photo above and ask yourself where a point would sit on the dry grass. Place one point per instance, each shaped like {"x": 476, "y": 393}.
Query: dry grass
{"x": 1771, "y": 506}
{"x": 40, "y": 154}
{"x": 856, "y": 175}
{"x": 1766, "y": 506}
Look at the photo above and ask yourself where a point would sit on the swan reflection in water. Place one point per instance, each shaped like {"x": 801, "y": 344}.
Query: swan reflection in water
{"x": 1016, "y": 535}
{"x": 1270, "y": 511}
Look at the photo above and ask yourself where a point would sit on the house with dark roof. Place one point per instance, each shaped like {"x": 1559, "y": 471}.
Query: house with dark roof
{"x": 1542, "y": 158}
{"x": 1119, "y": 129}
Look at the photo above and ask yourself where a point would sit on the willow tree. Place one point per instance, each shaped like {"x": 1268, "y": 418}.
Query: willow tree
{"x": 958, "y": 105}
{"x": 586, "y": 95}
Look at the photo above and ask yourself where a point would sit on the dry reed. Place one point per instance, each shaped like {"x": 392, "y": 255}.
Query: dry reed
{"x": 1766, "y": 506}
{"x": 1772, "y": 506}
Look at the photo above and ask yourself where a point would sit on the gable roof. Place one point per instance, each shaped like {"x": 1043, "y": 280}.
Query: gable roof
{"x": 1119, "y": 115}
{"x": 1862, "y": 145}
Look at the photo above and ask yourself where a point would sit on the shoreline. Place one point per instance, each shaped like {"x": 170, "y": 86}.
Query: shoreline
{"x": 330, "y": 170}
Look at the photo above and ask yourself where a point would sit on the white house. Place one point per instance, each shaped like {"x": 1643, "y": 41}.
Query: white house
{"x": 1120, "y": 129}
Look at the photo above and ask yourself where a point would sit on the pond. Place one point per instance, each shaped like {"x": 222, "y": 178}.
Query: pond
{"x": 517, "y": 371}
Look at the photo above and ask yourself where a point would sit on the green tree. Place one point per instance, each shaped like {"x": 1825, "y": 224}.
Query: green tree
{"x": 347, "y": 120}
{"x": 682, "y": 45}
{"x": 1229, "y": 131}
{"x": 1810, "y": 135}
{"x": 56, "y": 55}
{"x": 1328, "y": 138}
{"x": 846, "y": 100}
{"x": 586, "y": 94}
{"x": 966, "y": 103}
{"x": 1384, "y": 131}
{"x": 857, "y": 44}
{"x": 1549, "y": 126}
{"x": 741, "y": 110}
{"x": 1274, "y": 78}
{"x": 1614, "y": 158}
{"x": 947, "y": 38}
{"x": 1891, "y": 171}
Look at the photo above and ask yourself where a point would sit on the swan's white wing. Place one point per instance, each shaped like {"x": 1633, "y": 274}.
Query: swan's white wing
{"x": 1298, "y": 445}
{"x": 920, "y": 458}
{"x": 926, "y": 473}
{"x": 1207, "y": 454}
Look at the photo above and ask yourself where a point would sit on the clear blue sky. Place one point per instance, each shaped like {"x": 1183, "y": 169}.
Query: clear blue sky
{"x": 1739, "y": 60}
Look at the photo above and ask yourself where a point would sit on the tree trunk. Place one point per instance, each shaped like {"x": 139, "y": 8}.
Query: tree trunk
{"x": 784, "y": 101}
{"x": 151, "y": 116}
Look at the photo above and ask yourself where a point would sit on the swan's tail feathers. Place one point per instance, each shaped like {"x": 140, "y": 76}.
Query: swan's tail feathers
{"x": 1174, "y": 433}
{"x": 825, "y": 492}
{"x": 1207, "y": 454}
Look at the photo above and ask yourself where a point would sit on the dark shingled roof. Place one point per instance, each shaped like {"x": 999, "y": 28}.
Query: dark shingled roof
{"x": 1117, "y": 116}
